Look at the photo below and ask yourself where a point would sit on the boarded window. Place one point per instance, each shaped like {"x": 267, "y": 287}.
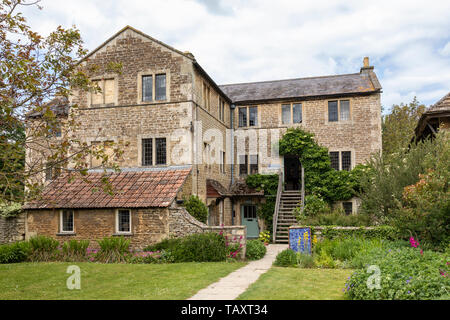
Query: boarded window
{"x": 332, "y": 111}
{"x": 297, "y": 112}
{"x": 147, "y": 88}
{"x": 67, "y": 221}
{"x": 253, "y": 164}
{"x": 253, "y": 116}
{"x": 348, "y": 207}
{"x": 344, "y": 110}
{"x": 243, "y": 164}
{"x": 147, "y": 152}
{"x": 124, "y": 219}
{"x": 97, "y": 96}
{"x": 100, "y": 154}
{"x": 160, "y": 151}
{"x": 346, "y": 160}
{"x": 334, "y": 158}
{"x": 242, "y": 117}
{"x": 160, "y": 87}
{"x": 109, "y": 92}
{"x": 286, "y": 113}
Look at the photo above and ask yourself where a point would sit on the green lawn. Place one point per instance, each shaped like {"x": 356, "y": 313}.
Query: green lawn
{"x": 110, "y": 281}
{"x": 298, "y": 284}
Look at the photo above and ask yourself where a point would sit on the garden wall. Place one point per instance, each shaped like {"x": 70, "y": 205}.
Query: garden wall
{"x": 330, "y": 232}
{"x": 12, "y": 229}
{"x": 181, "y": 224}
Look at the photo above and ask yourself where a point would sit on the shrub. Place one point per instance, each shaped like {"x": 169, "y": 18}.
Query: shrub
{"x": 43, "y": 248}
{"x": 145, "y": 257}
{"x": 264, "y": 236}
{"x": 166, "y": 244}
{"x": 113, "y": 249}
{"x": 14, "y": 252}
{"x": 314, "y": 205}
{"x": 336, "y": 218}
{"x": 196, "y": 208}
{"x": 305, "y": 260}
{"x": 74, "y": 250}
{"x": 405, "y": 274}
{"x": 378, "y": 232}
{"x": 286, "y": 258}
{"x": 202, "y": 247}
{"x": 255, "y": 250}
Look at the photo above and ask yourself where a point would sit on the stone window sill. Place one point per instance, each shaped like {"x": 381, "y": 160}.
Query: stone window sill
{"x": 66, "y": 234}
{"x": 122, "y": 234}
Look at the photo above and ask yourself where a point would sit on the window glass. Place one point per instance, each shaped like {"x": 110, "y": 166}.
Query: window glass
{"x": 124, "y": 221}
{"x": 332, "y": 111}
{"x": 67, "y": 221}
{"x": 242, "y": 117}
{"x": 243, "y": 164}
{"x": 147, "y": 152}
{"x": 147, "y": 88}
{"x": 286, "y": 113}
{"x": 297, "y": 112}
{"x": 253, "y": 164}
{"x": 348, "y": 207}
{"x": 253, "y": 116}
{"x": 345, "y": 109}
{"x": 160, "y": 87}
{"x": 160, "y": 151}
{"x": 334, "y": 158}
{"x": 346, "y": 160}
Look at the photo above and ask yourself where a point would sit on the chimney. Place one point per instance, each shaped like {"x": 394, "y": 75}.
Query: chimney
{"x": 366, "y": 66}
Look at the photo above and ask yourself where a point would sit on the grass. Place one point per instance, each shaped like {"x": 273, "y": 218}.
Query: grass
{"x": 298, "y": 284}
{"x": 110, "y": 281}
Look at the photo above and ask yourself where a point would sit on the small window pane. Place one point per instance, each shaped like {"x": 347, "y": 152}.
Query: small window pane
{"x": 147, "y": 152}
{"x": 67, "y": 221}
{"x": 286, "y": 113}
{"x": 346, "y": 160}
{"x": 243, "y": 164}
{"x": 348, "y": 207}
{"x": 124, "y": 221}
{"x": 242, "y": 117}
{"x": 332, "y": 111}
{"x": 249, "y": 212}
{"x": 160, "y": 151}
{"x": 334, "y": 157}
{"x": 253, "y": 116}
{"x": 297, "y": 110}
{"x": 147, "y": 88}
{"x": 160, "y": 87}
{"x": 345, "y": 109}
{"x": 253, "y": 164}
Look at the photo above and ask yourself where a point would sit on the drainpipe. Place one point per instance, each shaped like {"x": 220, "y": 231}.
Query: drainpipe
{"x": 232, "y": 107}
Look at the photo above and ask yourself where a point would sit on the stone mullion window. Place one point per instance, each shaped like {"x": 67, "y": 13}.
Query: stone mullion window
{"x": 346, "y": 160}
{"x": 338, "y": 110}
{"x": 248, "y": 116}
{"x": 160, "y": 87}
{"x": 243, "y": 164}
{"x": 153, "y": 87}
{"x": 334, "y": 158}
{"x": 341, "y": 160}
{"x": 147, "y": 88}
{"x": 147, "y": 152}
{"x": 161, "y": 156}
{"x": 154, "y": 151}
{"x": 291, "y": 113}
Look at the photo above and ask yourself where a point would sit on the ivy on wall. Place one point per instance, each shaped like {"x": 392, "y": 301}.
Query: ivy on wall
{"x": 320, "y": 178}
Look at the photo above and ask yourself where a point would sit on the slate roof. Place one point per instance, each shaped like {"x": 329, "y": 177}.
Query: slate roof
{"x": 131, "y": 189}
{"x": 59, "y": 106}
{"x": 364, "y": 82}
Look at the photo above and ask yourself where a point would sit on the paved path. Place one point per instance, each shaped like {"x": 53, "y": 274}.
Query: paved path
{"x": 231, "y": 286}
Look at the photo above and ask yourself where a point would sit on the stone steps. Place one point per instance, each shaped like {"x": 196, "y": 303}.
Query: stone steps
{"x": 288, "y": 202}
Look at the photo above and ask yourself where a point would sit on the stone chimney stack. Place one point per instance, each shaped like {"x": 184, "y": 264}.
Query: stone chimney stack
{"x": 366, "y": 68}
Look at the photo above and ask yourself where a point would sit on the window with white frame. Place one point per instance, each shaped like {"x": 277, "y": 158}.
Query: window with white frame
{"x": 154, "y": 151}
{"x": 123, "y": 221}
{"x": 338, "y": 110}
{"x": 66, "y": 221}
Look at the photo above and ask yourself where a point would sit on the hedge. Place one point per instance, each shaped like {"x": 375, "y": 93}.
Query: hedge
{"x": 333, "y": 232}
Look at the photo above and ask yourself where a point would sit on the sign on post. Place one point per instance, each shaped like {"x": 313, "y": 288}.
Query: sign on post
{"x": 300, "y": 239}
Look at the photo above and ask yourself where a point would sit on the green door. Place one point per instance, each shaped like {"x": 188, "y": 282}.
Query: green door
{"x": 249, "y": 219}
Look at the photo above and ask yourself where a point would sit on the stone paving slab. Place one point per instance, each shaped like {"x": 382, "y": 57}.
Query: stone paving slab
{"x": 234, "y": 284}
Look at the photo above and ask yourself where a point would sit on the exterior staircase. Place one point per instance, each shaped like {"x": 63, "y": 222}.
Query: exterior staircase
{"x": 289, "y": 200}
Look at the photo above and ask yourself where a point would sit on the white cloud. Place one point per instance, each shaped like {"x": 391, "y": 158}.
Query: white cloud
{"x": 255, "y": 40}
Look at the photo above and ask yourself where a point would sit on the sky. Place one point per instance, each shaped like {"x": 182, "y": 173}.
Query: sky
{"x": 408, "y": 42}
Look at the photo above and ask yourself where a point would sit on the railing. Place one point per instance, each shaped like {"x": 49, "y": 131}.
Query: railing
{"x": 277, "y": 204}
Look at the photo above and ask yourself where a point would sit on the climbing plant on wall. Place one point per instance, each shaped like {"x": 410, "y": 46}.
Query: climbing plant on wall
{"x": 320, "y": 178}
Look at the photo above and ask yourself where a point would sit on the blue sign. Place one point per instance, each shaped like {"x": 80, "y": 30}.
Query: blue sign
{"x": 300, "y": 240}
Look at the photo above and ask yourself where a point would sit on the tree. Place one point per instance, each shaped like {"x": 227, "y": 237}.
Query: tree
{"x": 36, "y": 70}
{"x": 398, "y": 126}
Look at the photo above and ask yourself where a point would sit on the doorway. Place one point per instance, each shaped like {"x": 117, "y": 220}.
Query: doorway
{"x": 249, "y": 219}
{"x": 291, "y": 172}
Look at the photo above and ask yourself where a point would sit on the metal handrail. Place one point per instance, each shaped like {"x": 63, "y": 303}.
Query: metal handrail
{"x": 277, "y": 204}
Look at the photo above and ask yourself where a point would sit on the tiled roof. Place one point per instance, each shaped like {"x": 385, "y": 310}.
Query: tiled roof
{"x": 131, "y": 189}
{"x": 441, "y": 106}
{"x": 439, "y": 110}
{"x": 240, "y": 188}
{"x": 214, "y": 189}
{"x": 364, "y": 82}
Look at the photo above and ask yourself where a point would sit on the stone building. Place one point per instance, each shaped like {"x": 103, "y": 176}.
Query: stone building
{"x": 435, "y": 118}
{"x": 175, "y": 120}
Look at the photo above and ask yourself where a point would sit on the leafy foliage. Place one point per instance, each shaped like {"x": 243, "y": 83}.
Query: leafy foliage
{"x": 196, "y": 208}
{"x": 203, "y": 247}
{"x": 43, "y": 248}
{"x": 8, "y": 210}
{"x": 286, "y": 258}
{"x": 255, "y": 250}
{"x": 113, "y": 249}
{"x": 15, "y": 252}
{"x": 75, "y": 250}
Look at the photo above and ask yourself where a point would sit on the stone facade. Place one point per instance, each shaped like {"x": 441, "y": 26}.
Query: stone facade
{"x": 119, "y": 114}
{"x": 12, "y": 229}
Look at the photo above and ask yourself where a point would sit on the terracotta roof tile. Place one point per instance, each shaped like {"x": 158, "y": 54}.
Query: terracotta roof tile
{"x": 138, "y": 189}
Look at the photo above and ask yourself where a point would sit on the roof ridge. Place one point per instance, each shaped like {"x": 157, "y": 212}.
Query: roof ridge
{"x": 280, "y": 80}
